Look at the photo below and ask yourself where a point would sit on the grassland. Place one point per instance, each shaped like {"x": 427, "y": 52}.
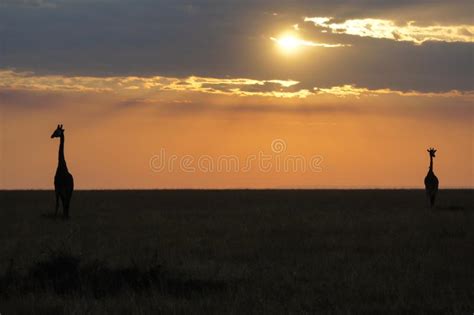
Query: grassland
{"x": 238, "y": 252}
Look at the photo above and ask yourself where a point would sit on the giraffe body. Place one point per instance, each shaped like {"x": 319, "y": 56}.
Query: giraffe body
{"x": 63, "y": 180}
{"x": 63, "y": 186}
{"x": 431, "y": 181}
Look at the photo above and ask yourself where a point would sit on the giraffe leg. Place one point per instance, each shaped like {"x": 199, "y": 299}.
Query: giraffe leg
{"x": 57, "y": 205}
{"x": 432, "y": 200}
{"x": 66, "y": 207}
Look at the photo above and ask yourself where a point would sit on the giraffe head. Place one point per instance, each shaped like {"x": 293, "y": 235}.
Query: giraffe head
{"x": 59, "y": 132}
{"x": 432, "y": 152}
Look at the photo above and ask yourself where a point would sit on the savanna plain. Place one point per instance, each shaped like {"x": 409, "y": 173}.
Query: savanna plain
{"x": 238, "y": 252}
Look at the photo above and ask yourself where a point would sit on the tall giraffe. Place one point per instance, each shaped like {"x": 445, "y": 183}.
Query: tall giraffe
{"x": 63, "y": 181}
{"x": 431, "y": 181}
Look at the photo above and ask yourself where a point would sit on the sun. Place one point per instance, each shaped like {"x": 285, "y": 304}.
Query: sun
{"x": 288, "y": 43}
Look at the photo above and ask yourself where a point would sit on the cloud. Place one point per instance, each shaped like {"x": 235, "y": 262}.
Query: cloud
{"x": 388, "y": 29}
{"x": 243, "y": 87}
{"x": 296, "y": 42}
{"x": 352, "y": 90}
{"x": 236, "y": 86}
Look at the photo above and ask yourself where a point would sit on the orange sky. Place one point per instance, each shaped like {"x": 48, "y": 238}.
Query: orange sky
{"x": 364, "y": 141}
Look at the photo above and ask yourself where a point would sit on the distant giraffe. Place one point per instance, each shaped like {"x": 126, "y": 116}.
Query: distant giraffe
{"x": 63, "y": 181}
{"x": 431, "y": 181}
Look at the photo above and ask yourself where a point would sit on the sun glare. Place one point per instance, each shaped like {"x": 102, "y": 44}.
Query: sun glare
{"x": 288, "y": 43}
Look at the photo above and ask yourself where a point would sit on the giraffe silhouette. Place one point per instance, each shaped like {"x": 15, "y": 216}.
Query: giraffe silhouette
{"x": 431, "y": 181}
{"x": 63, "y": 181}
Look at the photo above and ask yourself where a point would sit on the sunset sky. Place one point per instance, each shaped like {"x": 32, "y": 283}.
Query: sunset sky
{"x": 361, "y": 87}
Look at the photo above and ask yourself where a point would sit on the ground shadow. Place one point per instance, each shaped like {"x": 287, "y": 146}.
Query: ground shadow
{"x": 64, "y": 273}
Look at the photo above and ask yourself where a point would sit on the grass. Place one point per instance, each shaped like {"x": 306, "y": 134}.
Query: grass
{"x": 238, "y": 252}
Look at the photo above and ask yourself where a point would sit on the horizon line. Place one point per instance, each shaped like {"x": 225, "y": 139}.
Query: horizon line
{"x": 238, "y": 188}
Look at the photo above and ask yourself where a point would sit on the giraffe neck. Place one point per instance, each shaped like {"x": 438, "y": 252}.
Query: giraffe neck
{"x": 431, "y": 163}
{"x": 61, "y": 160}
